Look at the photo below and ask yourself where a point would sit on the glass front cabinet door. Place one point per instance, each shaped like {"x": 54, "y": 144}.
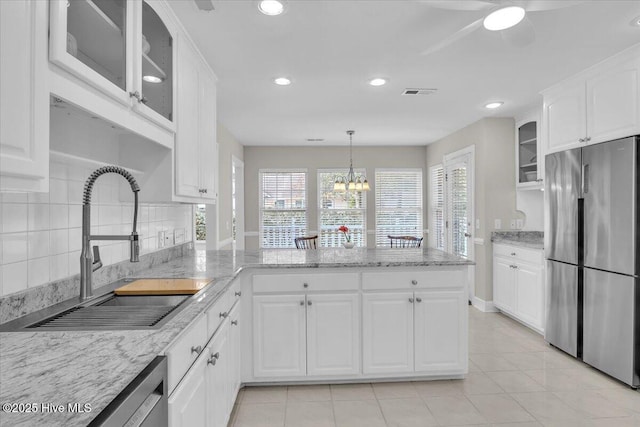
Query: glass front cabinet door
{"x": 529, "y": 162}
{"x": 122, "y": 48}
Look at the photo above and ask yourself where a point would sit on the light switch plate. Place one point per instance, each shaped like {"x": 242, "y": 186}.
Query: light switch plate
{"x": 513, "y": 224}
{"x": 497, "y": 224}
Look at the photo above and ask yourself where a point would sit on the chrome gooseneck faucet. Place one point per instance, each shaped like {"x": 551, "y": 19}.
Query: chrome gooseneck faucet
{"x": 91, "y": 262}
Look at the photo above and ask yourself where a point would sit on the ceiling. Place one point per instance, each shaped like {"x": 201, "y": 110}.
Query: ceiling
{"x": 330, "y": 49}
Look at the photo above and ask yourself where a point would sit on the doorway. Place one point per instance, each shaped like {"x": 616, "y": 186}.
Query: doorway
{"x": 237, "y": 203}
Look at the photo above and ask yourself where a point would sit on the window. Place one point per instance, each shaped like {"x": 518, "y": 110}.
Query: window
{"x": 340, "y": 208}
{"x": 283, "y": 207}
{"x": 437, "y": 206}
{"x": 201, "y": 223}
{"x": 398, "y": 203}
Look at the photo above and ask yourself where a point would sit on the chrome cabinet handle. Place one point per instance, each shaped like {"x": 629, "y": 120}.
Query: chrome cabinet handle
{"x": 238, "y": 294}
{"x": 588, "y": 139}
{"x": 309, "y": 302}
{"x": 513, "y": 254}
{"x": 301, "y": 302}
{"x": 217, "y": 355}
{"x": 234, "y": 322}
{"x": 467, "y": 234}
{"x": 418, "y": 299}
{"x": 411, "y": 300}
{"x": 414, "y": 282}
{"x": 224, "y": 315}
{"x": 581, "y": 140}
{"x": 305, "y": 285}
{"x": 135, "y": 95}
{"x": 196, "y": 350}
{"x": 213, "y": 359}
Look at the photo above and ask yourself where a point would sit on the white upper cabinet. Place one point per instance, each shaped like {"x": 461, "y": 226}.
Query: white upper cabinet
{"x": 24, "y": 97}
{"x": 598, "y": 105}
{"x": 196, "y": 149}
{"x": 124, "y": 49}
{"x": 529, "y": 158}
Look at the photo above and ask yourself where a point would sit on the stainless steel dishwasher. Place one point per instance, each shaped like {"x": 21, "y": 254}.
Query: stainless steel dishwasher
{"x": 142, "y": 403}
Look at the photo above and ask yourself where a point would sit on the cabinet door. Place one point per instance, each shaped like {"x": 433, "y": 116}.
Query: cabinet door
{"x": 387, "y": 332}
{"x": 208, "y": 146}
{"x": 613, "y": 99}
{"x": 92, "y": 40}
{"x": 186, "y": 149}
{"x": 219, "y": 356}
{"x": 153, "y": 74}
{"x": 235, "y": 339}
{"x": 188, "y": 403}
{"x": 504, "y": 287}
{"x": 279, "y": 336}
{"x": 24, "y": 97}
{"x": 530, "y": 294}
{"x": 440, "y": 331}
{"x": 333, "y": 334}
{"x": 564, "y": 118}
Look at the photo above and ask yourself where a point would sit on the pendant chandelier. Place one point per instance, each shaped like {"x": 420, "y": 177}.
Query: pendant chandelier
{"x": 351, "y": 182}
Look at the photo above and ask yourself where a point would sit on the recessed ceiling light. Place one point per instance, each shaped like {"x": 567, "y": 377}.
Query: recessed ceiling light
{"x": 493, "y": 105}
{"x": 378, "y": 81}
{"x": 152, "y": 79}
{"x": 282, "y": 81}
{"x": 635, "y": 22}
{"x": 504, "y": 18}
{"x": 271, "y": 7}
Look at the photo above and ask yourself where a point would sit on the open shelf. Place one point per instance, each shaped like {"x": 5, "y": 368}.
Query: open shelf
{"x": 529, "y": 165}
{"x": 529, "y": 141}
{"x": 150, "y": 68}
{"x": 73, "y": 160}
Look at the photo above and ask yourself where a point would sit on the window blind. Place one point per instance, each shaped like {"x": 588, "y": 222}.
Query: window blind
{"x": 340, "y": 208}
{"x": 437, "y": 206}
{"x": 283, "y": 207}
{"x": 457, "y": 205}
{"x": 398, "y": 203}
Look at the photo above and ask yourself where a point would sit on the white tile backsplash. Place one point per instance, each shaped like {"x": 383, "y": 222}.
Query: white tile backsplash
{"x": 40, "y": 233}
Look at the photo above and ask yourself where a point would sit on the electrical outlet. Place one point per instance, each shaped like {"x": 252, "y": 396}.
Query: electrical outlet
{"x": 497, "y": 224}
{"x": 512, "y": 223}
{"x": 162, "y": 238}
{"x": 477, "y": 224}
{"x": 519, "y": 224}
{"x": 169, "y": 238}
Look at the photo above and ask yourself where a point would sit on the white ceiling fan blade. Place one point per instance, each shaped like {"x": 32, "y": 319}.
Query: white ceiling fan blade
{"x": 520, "y": 35}
{"x": 454, "y": 37}
{"x": 541, "y": 5}
{"x": 469, "y": 5}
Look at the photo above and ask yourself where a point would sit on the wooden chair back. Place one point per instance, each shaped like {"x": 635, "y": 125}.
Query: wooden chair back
{"x": 405, "y": 241}
{"x": 309, "y": 242}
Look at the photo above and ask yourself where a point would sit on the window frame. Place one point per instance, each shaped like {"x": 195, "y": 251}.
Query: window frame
{"x": 420, "y": 226}
{"x": 261, "y": 200}
{"x": 320, "y": 209}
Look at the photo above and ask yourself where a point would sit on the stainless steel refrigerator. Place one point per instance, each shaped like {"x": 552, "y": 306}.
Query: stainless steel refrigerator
{"x": 591, "y": 246}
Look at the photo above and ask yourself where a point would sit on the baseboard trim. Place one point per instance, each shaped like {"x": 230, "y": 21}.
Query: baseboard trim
{"x": 484, "y": 306}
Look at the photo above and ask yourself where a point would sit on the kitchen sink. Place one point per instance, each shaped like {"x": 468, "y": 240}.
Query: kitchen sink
{"x": 106, "y": 312}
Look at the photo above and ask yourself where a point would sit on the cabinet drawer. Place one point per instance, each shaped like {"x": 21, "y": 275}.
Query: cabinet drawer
{"x": 234, "y": 292}
{"x": 517, "y": 253}
{"x": 217, "y": 313}
{"x": 184, "y": 351}
{"x": 436, "y": 278}
{"x": 305, "y": 282}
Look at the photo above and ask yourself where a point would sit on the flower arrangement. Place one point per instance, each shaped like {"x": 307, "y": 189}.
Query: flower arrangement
{"x": 345, "y": 230}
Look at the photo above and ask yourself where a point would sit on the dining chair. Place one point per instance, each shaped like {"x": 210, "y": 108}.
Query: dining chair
{"x": 405, "y": 241}
{"x": 306, "y": 242}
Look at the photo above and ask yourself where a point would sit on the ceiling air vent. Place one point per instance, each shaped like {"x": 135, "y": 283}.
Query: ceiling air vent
{"x": 419, "y": 91}
{"x": 206, "y": 5}
{"x": 315, "y": 139}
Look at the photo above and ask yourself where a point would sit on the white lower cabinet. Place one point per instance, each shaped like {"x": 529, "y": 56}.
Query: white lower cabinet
{"x": 279, "y": 336}
{"x": 418, "y": 332}
{"x": 219, "y": 358}
{"x": 518, "y": 284}
{"x": 300, "y": 335}
{"x": 188, "y": 403}
{"x": 387, "y": 332}
{"x": 439, "y": 317}
{"x": 333, "y": 334}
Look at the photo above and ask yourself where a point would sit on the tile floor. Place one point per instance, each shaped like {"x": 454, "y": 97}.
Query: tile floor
{"x": 515, "y": 379}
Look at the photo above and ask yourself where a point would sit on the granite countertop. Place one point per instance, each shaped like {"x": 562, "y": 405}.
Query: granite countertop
{"x": 526, "y": 239}
{"x": 94, "y": 366}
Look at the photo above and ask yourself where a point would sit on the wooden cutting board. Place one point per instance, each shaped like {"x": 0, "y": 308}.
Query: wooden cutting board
{"x": 163, "y": 287}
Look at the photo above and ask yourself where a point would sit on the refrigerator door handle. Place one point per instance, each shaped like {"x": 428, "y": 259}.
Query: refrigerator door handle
{"x": 585, "y": 179}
